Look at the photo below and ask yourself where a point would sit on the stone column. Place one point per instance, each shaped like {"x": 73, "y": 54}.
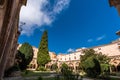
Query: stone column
{"x": 4, "y": 45}
{"x": 74, "y": 64}
{"x": 13, "y": 9}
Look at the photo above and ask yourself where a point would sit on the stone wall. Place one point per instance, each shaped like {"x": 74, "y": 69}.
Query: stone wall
{"x": 9, "y": 18}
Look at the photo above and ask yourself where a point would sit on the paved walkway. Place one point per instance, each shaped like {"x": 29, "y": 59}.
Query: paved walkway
{"x": 35, "y": 77}
{"x": 30, "y": 78}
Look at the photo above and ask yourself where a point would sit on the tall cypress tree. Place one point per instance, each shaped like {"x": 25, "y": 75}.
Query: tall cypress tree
{"x": 43, "y": 52}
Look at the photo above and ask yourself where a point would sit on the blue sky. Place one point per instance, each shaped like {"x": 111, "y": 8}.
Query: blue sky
{"x": 71, "y": 24}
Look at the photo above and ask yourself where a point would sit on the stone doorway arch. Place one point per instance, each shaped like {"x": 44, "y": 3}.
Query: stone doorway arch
{"x": 71, "y": 66}
{"x": 118, "y": 67}
{"x": 77, "y": 65}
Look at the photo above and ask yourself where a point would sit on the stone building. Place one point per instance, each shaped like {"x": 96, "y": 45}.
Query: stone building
{"x": 33, "y": 64}
{"x": 53, "y": 58}
{"x": 111, "y": 50}
{"x": 72, "y": 59}
{"x": 9, "y": 19}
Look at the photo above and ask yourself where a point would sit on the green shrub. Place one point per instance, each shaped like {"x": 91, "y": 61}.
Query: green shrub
{"x": 54, "y": 66}
{"x": 10, "y": 70}
{"x": 105, "y": 69}
{"x": 92, "y": 67}
{"x": 113, "y": 74}
{"x": 67, "y": 74}
{"x": 118, "y": 74}
{"x": 41, "y": 68}
{"x": 40, "y": 78}
{"x": 26, "y": 71}
{"x": 57, "y": 77}
{"x": 24, "y": 56}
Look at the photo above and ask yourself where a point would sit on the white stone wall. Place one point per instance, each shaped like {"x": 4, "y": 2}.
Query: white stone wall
{"x": 70, "y": 57}
{"x": 112, "y": 49}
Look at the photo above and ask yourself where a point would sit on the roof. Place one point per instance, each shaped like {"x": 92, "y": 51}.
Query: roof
{"x": 113, "y": 42}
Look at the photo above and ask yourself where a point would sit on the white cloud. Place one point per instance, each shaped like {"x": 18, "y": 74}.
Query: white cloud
{"x": 70, "y": 50}
{"x": 35, "y": 15}
{"x": 90, "y": 40}
{"x": 60, "y": 5}
{"x": 97, "y": 39}
{"x": 83, "y": 47}
{"x": 100, "y": 38}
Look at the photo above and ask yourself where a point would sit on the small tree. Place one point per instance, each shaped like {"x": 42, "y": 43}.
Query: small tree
{"x": 87, "y": 53}
{"x": 90, "y": 62}
{"x": 92, "y": 67}
{"x": 26, "y": 54}
{"x": 20, "y": 60}
{"x": 105, "y": 69}
{"x": 104, "y": 62}
{"x": 66, "y": 72}
{"x": 103, "y": 59}
{"x": 54, "y": 66}
{"x": 43, "y": 53}
{"x": 94, "y": 60}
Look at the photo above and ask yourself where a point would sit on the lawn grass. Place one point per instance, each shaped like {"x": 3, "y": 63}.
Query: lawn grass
{"x": 35, "y": 73}
{"x": 38, "y": 73}
{"x": 113, "y": 78}
{"x": 52, "y": 78}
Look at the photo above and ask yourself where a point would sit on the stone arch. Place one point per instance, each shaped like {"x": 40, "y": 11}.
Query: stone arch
{"x": 34, "y": 66}
{"x": 60, "y": 64}
{"x": 71, "y": 66}
{"x": 118, "y": 67}
{"x": 77, "y": 65}
{"x": 30, "y": 66}
{"x": 48, "y": 65}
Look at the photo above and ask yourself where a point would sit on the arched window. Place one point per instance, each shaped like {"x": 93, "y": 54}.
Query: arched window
{"x": 74, "y": 57}
{"x": 2, "y": 2}
{"x": 69, "y": 58}
{"x": 99, "y": 48}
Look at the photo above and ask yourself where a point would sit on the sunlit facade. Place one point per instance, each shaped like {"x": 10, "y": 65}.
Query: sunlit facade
{"x": 111, "y": 50}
